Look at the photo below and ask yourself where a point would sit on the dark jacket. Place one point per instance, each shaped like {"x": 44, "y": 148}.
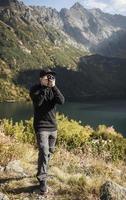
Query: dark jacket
{"x": 44, "y": 102}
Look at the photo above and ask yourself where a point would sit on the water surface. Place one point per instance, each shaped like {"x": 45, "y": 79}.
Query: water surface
{"x": 111, "y": 113}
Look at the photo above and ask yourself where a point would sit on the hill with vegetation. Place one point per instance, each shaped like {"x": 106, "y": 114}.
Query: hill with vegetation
{"x": 27, "y": 46}
{"x": 33, "y": 37}
{"x": 83, "y": 161}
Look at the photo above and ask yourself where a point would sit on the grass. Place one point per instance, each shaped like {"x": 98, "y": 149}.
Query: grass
{"x": 73, "y": 173}
{"x": 10, "y": 91}
{"x": 65, "y": 183}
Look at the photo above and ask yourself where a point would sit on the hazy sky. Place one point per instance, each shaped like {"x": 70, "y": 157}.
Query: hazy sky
{"x": 110, "y": 6}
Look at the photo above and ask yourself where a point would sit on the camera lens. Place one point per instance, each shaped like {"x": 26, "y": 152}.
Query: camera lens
{"x": 50, "y": 77}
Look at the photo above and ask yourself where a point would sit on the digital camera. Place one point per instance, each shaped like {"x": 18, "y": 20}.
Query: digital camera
{"x": 50, "y": 77}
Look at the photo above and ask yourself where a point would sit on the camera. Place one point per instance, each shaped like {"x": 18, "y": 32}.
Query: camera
{"x": 50, "y": 77}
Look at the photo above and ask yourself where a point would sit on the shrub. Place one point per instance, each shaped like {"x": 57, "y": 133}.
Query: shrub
{"x": 11, "y": 152}
{"x": 104, "y": 141}
{"x": 71, "y": 133}
{"x": 104, "y": 132}
{"x": 22, "y": 131}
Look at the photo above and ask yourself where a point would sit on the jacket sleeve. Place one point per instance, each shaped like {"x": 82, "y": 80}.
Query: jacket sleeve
{"x": 58, "y": 96}
{"x": 37, "y": 95}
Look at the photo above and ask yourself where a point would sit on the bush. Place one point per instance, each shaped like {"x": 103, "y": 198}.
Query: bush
{"x": 22, "y": 131}
{"x": 11, "y": 152}
{"x": 71, "y": 133}
{"x": 105, "y": 133}
{"x": 104, "y": 141}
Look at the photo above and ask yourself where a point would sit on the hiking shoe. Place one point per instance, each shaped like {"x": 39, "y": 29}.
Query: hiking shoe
{"x": 43, "y": 187}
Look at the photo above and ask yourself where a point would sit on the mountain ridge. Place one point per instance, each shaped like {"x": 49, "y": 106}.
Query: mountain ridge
{"x": 33, "y": 37}
{"x": 88, "y": 29}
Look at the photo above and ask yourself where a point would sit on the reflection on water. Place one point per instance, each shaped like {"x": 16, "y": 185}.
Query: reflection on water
{"x": 111, "y": 113}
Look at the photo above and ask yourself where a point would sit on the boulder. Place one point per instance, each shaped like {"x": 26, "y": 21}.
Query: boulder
{"x": 15, "y": 167}
{"x": 1, "y": 168}
{"x": 112, "y": 191}
{"x": 3, "y": 196}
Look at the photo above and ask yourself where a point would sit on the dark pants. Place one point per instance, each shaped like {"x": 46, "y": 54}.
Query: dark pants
{"x": 46, "y": 144}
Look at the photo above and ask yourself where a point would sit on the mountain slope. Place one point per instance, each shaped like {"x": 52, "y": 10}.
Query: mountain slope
{"x": 32, "y": 37}
{"x": 95, "y": 30}
{"x": 91, "y": 29}
{"x": 34, "y": 41}
{"x": 27, "y": 44}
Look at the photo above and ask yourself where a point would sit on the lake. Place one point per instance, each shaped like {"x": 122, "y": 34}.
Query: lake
{"x": 111, "y": 113}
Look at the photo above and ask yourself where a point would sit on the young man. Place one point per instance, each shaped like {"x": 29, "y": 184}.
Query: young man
{"x": 45, "y": 96}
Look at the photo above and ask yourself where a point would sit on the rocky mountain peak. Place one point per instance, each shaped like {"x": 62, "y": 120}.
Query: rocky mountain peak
{"x": 77, "y": 5}
{"x": 90, "y": 28}
{"x": 96, "y": 11}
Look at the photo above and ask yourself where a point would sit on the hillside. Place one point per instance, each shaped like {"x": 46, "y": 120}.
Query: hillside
{"x": 100, "y": 32}
{"x": 32, "y": 37}
{"x": 27, "y": 45}
{"x": 83, "y": 161}
{"x": 92, "y": 29}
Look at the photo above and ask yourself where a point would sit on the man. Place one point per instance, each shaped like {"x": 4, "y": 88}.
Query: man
{"x": 45, "y": 96}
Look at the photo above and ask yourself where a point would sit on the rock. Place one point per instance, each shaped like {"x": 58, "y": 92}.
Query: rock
{"x": 92, "y": 29}
{"x": 8, "y": 3}
{"x": 1, "y": 168}
{"x": 112, "y": 191}
{"x": 15, "y": 167}
{"x": 3, "y": 196}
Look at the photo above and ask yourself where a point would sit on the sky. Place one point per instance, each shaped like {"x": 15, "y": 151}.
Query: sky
{"x": 109, "y": 6}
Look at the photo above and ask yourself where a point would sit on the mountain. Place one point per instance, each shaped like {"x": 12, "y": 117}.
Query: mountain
{"x": 24, "y": 28}
{"x": 32, "y": 37}
{"x": 97, "y": 78}
{"x": 27, "y": 42}
{"x": 91, "y": 29}
{"x": 96, "y": 30}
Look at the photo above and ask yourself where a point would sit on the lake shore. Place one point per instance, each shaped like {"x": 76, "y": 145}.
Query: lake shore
{"x": 111, "y": 113}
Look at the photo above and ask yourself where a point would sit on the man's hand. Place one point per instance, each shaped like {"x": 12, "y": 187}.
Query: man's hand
{"x": 47, "y": 82}
{"x": 51, "y": 83}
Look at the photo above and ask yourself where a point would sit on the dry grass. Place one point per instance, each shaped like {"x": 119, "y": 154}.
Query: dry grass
{"x": 72, "y": 175}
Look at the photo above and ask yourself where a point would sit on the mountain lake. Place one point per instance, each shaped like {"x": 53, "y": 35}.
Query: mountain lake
{"x": 110, "y": 113}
